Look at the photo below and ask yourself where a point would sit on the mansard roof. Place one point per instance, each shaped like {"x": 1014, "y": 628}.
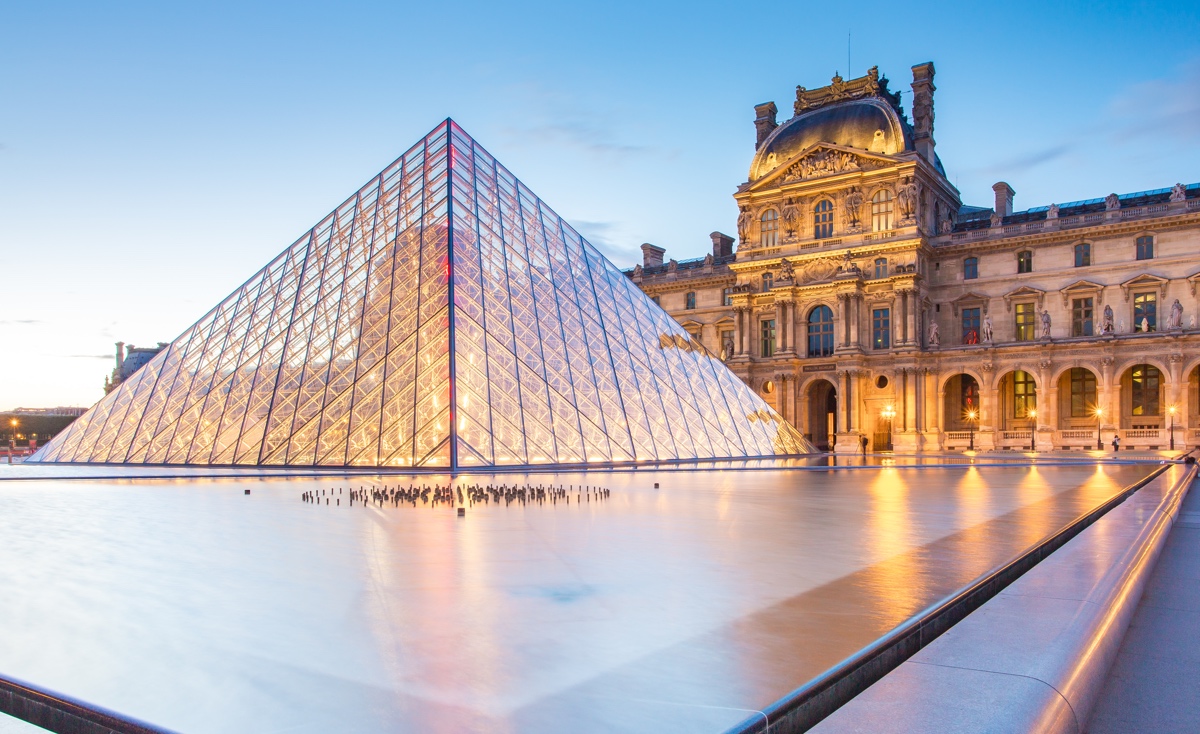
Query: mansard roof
{"x": 978, "y": 217}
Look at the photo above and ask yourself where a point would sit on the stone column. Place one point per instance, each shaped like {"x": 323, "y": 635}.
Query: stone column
{"x": 910, "y": 402}
{"x": 844, "y": 312}
{"x": 779, "y": 340}
{"x": 854, "y": 307}
{"x": 901, "y": 320}
{"x": 910, "y": 320}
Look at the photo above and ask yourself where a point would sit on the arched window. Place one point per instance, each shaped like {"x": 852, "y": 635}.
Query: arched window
{"x": 823, "y": 219}
{"x": 1083, "y": 393}
{"x": 820, "y": 332}
{"x": 881, "y": 267}
{"x": 1024, "y": 394}
{"x": 971, "y": 268}
{"x": 1025, "y": 261}
{"x": 1145, "y": 384}
{"x": 768, "y": 282}
{"x": 1083, "y": 255}
{"x": 769, "y": 228}
{"x": 881, "y": 210}
{"x": 690, "y": 300}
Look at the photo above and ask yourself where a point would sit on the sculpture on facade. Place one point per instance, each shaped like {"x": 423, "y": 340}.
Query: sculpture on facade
{"x": 987, "y": 328}
{"x": 1175, "y": 319}
{"x": 743, "y": 225}
{"x": 854, "y": 202}
{"x": 906, "y": 197}
{"x": 1178, "y": 192}
{"x": 727, "y": 350}
{"x": 1192, "y": 322}
{"x": 791, "y": 217}
{"x": 945, "y": 226}
{"x": 1052, "y": 212}
{"x": 786, "y": 271}
{"x": 1046, "y": 324}
{"x": 1106, "y": 326}
{"x": 935, "y": 339}
{"x": 1145, "y": 325}
{"x": 1111, "y": 203}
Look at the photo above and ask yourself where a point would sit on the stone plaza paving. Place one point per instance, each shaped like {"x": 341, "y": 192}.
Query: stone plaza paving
{"x": 190, "y": 605}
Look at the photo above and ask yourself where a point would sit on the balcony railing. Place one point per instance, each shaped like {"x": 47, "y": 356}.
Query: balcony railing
{"x": 1012, "y": 230}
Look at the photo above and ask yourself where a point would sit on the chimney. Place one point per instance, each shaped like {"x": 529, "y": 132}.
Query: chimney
{"x": 764, "y": 121}
{"x": 922, "y": 109}
{"x": 652, "y": 255}
{"x": 120, "y": 354}
{"x": 722, "y": 244}
{"x": 1004, "y": 198}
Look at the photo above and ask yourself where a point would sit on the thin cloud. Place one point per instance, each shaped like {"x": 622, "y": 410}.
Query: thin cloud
{"x": 20, "y": 322}
{"x": 1160, "y": 108}
{"x": 87, "y": 356}
{"x": 600, "y": 234}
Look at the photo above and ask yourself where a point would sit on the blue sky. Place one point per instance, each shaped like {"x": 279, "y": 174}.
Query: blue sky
{"x": 154, "y": 155}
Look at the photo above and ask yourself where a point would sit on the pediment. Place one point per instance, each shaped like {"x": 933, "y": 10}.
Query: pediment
{"x": 1145, "y": 282}
{"x": 1024, "y": 293}
{"x": 820, "y": 160}
{"x": 968, "y": 298}
{"x": 1082, "y": 287}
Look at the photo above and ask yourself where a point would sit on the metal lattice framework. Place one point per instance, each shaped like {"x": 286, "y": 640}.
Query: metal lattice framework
{"x": 346, "y": 350}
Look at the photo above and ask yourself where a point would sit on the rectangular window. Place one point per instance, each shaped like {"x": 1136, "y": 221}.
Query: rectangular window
{"x": 1081, "y": 317}
{"x": 1145, "y": 384}
{"x": 690, "y": 300}
{"x": 1083, "y": 393}
{"x": 1145, "y": 248}
{"x": 727, "y": 297}
{"x": 1025, "y": 261}
{"x": 1026, "y": 321}
{"x": 971, "y": 268}
{"x": 1083, "y": 255}
{"x": 768, "y": 338}
{"x": 1145, "y": 307}
{"x": 970, "y": 326}
{"x": 1024, "y": 394}
{"x": 881, "y": 268}
{"x": 881, "y": 328}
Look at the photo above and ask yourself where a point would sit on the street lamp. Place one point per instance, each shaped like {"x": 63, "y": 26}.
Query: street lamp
{"x": 889, "y": 413}
{"x": 1099, "y": 414}
{"x": 971, "y": 416}
{"x": 1171, "y": 412}
{"x": 1033, "y": 429}
{"x": 12, "y": 439}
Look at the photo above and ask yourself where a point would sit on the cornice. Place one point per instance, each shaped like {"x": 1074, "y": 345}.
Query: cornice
{"x": 1072, "y": 234}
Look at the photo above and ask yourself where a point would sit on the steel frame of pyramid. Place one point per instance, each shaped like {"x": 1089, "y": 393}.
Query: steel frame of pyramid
{"x": 443, "y": 317}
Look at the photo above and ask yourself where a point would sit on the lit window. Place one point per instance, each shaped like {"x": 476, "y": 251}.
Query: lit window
{"x": 1024, "y": 394}
{"x": 971, "y": 268}
{"x": 768, "y": 281}
{"x": 820, "y": 332}
{"x": 1026, "y": 318}
{"x": 727, "y": 297}
{"x": 970, "y": 326}
{"x": 1145, "y": 248}
{"x": 881, "y": 210}
{"x": 769, "y": 229}
{"x": 1145, "y": 306}
{"x": 1083, "y": 392}
{"x": 1083, "y": 255}
{"x": 690, "y": 300}
{"x": 881, "y": 267}
{"x": 1025, "y": 261}
{"x": 881, "y": 328}
{"x": 1081, "y": 317}
{"x": 1144, "y": 388}
{"x": 768, "y": 338}
{"x": 823, "y": 219}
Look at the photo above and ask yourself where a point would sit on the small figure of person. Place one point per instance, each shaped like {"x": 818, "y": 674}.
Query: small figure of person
{"x": 863, "y": 441}
{"x": 1116, "y": 444}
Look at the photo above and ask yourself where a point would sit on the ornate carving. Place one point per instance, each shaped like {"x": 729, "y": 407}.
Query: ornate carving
{"x": 1111, "y": 203}
{"x": 935, "y": 339}
{"x": 1178, "y": 193}
{"x": 672, "y": 265}
{"x": 945, "y": 226}
{"x": 1175, "y": 319}
{"x": 1052, "y": 212}
{"x": 743, "y": 224}
{"x": 1045, "y": 363}
{"x": 987, "y": 328}
{"x": 907, "y": 196}
{"x": 786, "y": 271}
{"x": 853, "y": 208}
{"x": 987, "y": 366}
{"x": 1046, "y": 324}
{"x": 791, "y": 217}
{"x": 826, "y": 163}
{"x": 839, "y": 89}
{"x": 1106, "y": 325}
{"x": 1175, "y": 358}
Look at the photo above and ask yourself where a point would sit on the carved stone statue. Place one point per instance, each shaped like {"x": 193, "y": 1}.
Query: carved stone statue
{"x": 1121, "y": 326}
{"x": 1111, "y": 203}
{"x": 1145, "y": 325}
{"x": 1106, "y": 326}
{"x": 1046, "y": 324}
{"x": 987, "y": 328}
{"x": 726, "y": 350}
{"x": 906, "y": 197}
{"x": 854, "y": 202}
{"x": 1192, "y": 322}
{"x": 1178, "y": 192}
{"x": 945, "y": 226}
{"x": 1175, "y": 319}
{"x": 1052, "y": 212}
{"x": 786, "y": 271}
{"x": 935, "y": 339}
{"x": 791, "y": 217}
{"x": 996, "y": 220}
{"x": 743, "y": 225}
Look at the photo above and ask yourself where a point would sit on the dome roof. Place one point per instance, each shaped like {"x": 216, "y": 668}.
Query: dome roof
{"x": 853, "y": 123}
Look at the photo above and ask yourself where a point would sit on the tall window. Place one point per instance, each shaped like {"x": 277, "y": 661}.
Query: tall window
{"x": 1026, "y": 319}
{"x": 1081, "y": 317}
{"x": 1025, "y": 261}
{"x": 881, "y": 210}
{"x": 1024, "y": 394}
{"x": 1144, "y": 390}
{"x": 970, "y": 326}
{"x": 1083, "y": 393}
{"x": 881, "y": 328}
{"x": 768, "y": 338}
{"x": 1083, "y": 255}
{"x": 1145, "y": 248}
{"x": 769, "y": 228}
{"x": 768, "y": 282}
{"x": 971, "y": 268}
{"x": 727, "y": 297}
{"x": 820, "y": 332}
{"x": 690, "y": 300}
{"x": 881, "y": 267}
{"x": 1145, "y": 306}
{"x": 823, "y": 219}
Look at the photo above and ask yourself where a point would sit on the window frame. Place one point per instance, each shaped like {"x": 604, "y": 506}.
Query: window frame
{"x": 881, "y": 267}
{"x": 822, "y": 337}
{"x": 689, "y": 301}
{"x": 882, "y": 204}
{"x": 1024, "y": 262}
{"x": 823, "y": 219}
{"x": 971, "y": 268}
{"x": 1144, "y": 297}
{"x": 1024, "y": 395}
{"x": 1080, "y": 379}
{"x": 1081, "y": 325}
{"x": 767, "y": 335}
{"x": 1141, "y": 395}
{"x": 1144, "y": 247}
{"x": 881, "y": 328}
{"x": 727, "y": 296}
{"x": 1083, "y": 254}
{"x": 768, "y": 228}
{"x": 968, "y": 335}
{"x": 1025, "y": 331}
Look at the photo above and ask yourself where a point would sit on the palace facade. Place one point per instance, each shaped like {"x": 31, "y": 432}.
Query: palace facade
{"x": 865, "y": 300}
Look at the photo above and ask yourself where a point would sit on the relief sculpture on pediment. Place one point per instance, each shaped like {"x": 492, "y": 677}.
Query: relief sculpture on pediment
{"x": 826, "y": 163}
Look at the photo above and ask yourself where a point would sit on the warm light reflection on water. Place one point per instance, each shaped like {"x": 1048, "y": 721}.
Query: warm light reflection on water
{"x": 670, "y": 609}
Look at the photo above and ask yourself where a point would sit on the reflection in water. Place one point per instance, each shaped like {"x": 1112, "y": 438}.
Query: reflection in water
{"x": 670, "y": 609}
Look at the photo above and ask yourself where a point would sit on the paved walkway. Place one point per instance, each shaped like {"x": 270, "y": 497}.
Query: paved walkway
{"x": 1155, "y": 683}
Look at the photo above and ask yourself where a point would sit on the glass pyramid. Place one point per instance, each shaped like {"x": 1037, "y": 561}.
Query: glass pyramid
{"x": 443, "y": 316}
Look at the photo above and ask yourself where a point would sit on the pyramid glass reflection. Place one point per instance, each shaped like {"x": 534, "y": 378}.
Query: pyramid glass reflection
{"x": 445, "y": 317}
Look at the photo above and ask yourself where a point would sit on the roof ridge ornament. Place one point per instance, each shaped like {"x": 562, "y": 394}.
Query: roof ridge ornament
{"x": 840, "y": 90}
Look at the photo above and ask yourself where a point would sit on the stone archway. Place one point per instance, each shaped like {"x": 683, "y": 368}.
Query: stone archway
{"x": 822, "y": 414}
{"x": 961, "y": 410}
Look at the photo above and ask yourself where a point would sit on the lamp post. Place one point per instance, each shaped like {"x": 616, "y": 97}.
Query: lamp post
{"x": 1099, "y": 414}
{"x": 12, "y": 439}
{"x": 888, "y": 413}
{"x": 971, "y": 416}
{"x": 1171, "y": 412}
{"x": 1033, "y": 430}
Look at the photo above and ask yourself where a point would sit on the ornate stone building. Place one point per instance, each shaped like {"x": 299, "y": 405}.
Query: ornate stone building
{"x": 865, "y": 300}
